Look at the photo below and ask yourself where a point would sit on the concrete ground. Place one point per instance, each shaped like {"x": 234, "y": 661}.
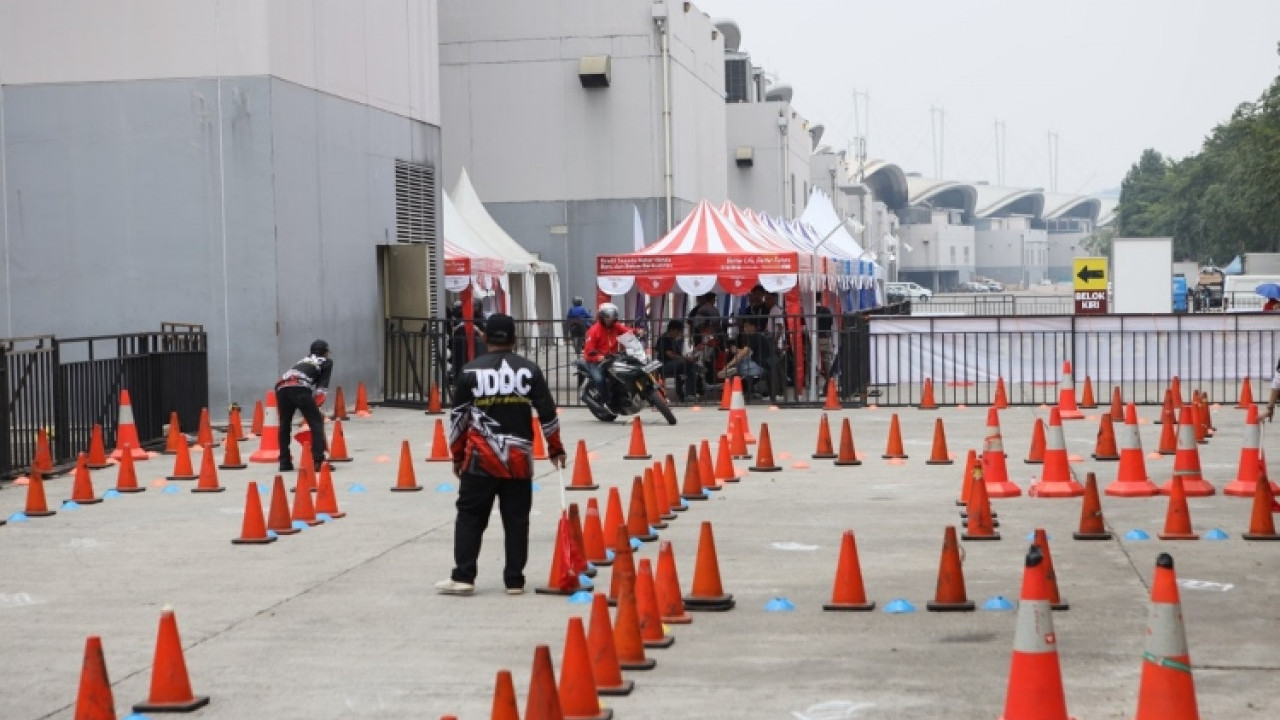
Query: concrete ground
{"x": 341, "y": 621}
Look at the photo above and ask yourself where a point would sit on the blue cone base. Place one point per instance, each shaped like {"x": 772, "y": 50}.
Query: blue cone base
{"x": 1215, "y": 534}
{"x": 70, "y": 505}
{"x": 19, "y": 517}
{"x": 998, "y": 603}
{"x": 1137, "y": 534}
{"x": 356, "y": 488}
{"x": 112, "y": 493}
{"x": 299, "y": 525}
{"x": 582, "y": 597}
{"x": 170, "y": 489}
{"x": 779, "y": 604}
{"x": 899, "y": 606}
{"x": 444, "y": 488}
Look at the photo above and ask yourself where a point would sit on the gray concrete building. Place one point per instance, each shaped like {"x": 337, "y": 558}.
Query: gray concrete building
{"x": 1009, "y": 238}
{"x": 571, "y": 115}
{"x": 1069, "y": 220}
{"x": 234, "y": 165}
{"x": 936, "y": 233}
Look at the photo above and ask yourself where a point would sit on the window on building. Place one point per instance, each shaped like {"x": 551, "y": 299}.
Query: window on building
{"x": 953, "y": 254}
{"x": 966, "y": 254}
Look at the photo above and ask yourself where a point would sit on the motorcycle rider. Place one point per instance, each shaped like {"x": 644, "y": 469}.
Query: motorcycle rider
{"x": 604, "y": 340}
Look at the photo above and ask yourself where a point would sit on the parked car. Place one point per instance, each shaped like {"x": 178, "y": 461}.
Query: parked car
{"x": 972, "y": 287}
{"x": 992, "y": 285}
{"x": 908, "y": 290}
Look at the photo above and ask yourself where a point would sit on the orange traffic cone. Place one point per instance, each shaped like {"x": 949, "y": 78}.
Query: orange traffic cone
{"x": 1187, "y": 462}
{"x": 1169, "y": 432}
{"x": 1167, "y": 690}
{"x": 1035, "y": 678}
{"x": 1056, "y": 480}
{"x": 1086, "y": 396}
{"x": 269, "y": 438}
{"x": 578, "y": 696}
{"x": 439, "y": 445}
{"x": 279, "y": 520}
{"x": 638, "y": 525}
{"x": 725, "y": 472}
{"x": 326, "y": 498}
{"x": 82, "y": 486}
{"x": 1246, "y": 395}
{"x": 204, "y": 431}
{"x": 1001, "y": 400}
{"x": 1177, "y": 519}
{"x": 651, "y": 630}
{"x": 950, "y": 595}
{"x": 253, "y": 531}
{"x": 692, "y": 488}
{"x": 738, "y": 440}
{"x": 824, "y": 450}
{"x": 966, "y": 480}
{"x": 764, "y": 453}
{"x": 1117, "y": 405}
{"x": 613, "y": 519}
{"x": 1131, "y": 476}
{"x": 231, "y": 455}
{"x": 539, "y": 442}
{"x": 980, "y": 524}
{"x": 1040, "y": 540}
{"x": 994, "y": 467}
{"x": 738, "y": 411}
{"x": 707, "y": 468}
{"x": 127, "y": 431}
{"x": 182, "y": 468}
{"x": 304, "y": 508}
{"x": 833, "y": 396}
{"x": 707, "y": 593}
{"x": 1092, "y": 525}
{"x": 670, "y": 603}
{"x": 593, "y": 536}
{"x": 338, "y": 445}
{"x": 671, "y": 479}
{"x": 848, "y": 593}
{"x": 97, "y": 450}
{"x": 651, "y": 508}
{"x": 543, "y": 702}
{"x": 848, "y": 454}
{"x": 939, "y": 456}
{"x": 433, "y": 401}
{"x": 637, "y": 450}
{"x": 726, "y": 396}
{"x": 94, "y": 701}
{"x": 665, "y": 511}
{"x": 626, "y": 623}
{"x": 43, "y": 460}
{"x": 893, "y": 450}
{"x": 1169, "y": 405}
{"x": 606, "y": 667}
{"x": 504, "y": 698}
{"x": 406, "y": 480}
{"x": 1067, "y": 394}
{"x": 926, "y": 398}
{"x": 340, "y": 405}
{"x": 235, "y": 427}
{"x": 208, "y": 482}
{"x": 37, "y": 506}
{"x": 174, "y": 439}
{"x": 170, "y": 686}
{"x": 362, "y": 402}
{"x": 258, "y": 421}
{"x": 582, "y": 478}
{"x": 126, "y": 475}
{"x": 561, "y": 553}
{"x": 1105, "y": 447}
{"x": 1035, "y": 455}
{"x": 1262, "y": 526}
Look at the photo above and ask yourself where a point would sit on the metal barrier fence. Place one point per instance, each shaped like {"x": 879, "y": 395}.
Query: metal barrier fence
{"x": 67, "y": 385}
{"x": 995, "y": 304}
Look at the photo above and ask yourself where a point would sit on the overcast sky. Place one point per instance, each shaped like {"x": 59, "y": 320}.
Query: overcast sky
{"x": 1111, "y": 77}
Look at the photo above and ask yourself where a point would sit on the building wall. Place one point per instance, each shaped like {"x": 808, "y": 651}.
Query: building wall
{"x": 250, "y": 204}
{"x": 1011, "y": 251}
{"x": 1064, "y": 248}
{"x": 929, "y": 260}
{"x": 778, "y": 180}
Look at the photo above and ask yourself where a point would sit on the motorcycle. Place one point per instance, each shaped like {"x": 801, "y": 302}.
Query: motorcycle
{"x": 634, "y": 380}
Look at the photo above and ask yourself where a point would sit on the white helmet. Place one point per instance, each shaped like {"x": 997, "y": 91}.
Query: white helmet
{"x": 608, "y": 311}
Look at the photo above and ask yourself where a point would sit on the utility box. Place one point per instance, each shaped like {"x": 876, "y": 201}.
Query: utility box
{"x": 1142, "y": 275}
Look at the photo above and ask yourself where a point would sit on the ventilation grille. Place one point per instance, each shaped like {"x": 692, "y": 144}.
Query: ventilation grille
{"x": 416, "y": 219}
{"x": 737, "y": 79}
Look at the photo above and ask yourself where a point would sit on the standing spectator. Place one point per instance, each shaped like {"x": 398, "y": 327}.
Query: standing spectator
{"x": 303, "y": 388}
{"x": 826, "y": 343}
{"x": 576, "y": 323}
{"x": 491, "y": 438}
{"x": 458, "y": 336}
{"x": 1275, "y": 395}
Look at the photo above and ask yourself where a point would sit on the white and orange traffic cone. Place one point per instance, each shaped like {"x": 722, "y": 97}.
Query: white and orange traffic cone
{"x": 127, "y": 431}
{"x": 1067, "y": 406}
{"x": 1186, "y": 462}
{"x": 1035, "y": 677}
{"x": 269, "y": 442}
{"x": 1167, "y": 690}
{"x": 1131, "y": 475}
{"x": 1056, "y": 480}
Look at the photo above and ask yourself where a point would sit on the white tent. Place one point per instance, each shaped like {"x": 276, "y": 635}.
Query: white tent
{"x": 534, "y": 284}
{"x": 820, "y": 214}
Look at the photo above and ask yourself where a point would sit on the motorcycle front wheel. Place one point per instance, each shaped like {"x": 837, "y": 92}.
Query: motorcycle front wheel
{"x": 660, "y": 404}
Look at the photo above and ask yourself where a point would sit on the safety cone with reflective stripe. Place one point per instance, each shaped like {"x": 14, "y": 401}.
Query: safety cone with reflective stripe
{"x": 1040, "y": 539}
{"x": 833, "y": 396}
{"x": 1105, "y": 447}
{"x": 1035, "y": 677}
{"x": 1187, "y": 462}
{"x": 1067, "y": 394}
{"x": 1177, "y": 519}
{"x": 94, "y": 701}
{"x": 1262, "y": 526}
{"x": 738, "y": 412}
{"x": 170, "y": 686}
{"x": 939, "y": 455}
{"x": 1131, "y": 476}
{"x": 848, "y": 454}
{"x": 1092, "y": 524}
{"x": 637, "y": 450}
{"x": 926, "y": 398}
{"x": 362, "y": 402}
{"x": 1035, "y": 455}
{"x": 127, "y": 431}
{"x": 848, "y": 594}
{"x": 824, "y": 450}
{"x": 1246, "y": 395}
{"x": 1250, "y": 467}
{"x": 269, "y": 438}
{"x": 950, "y": 594}
{"x": 1056, "y": 480}
{"x": 1167, "y": 690}
{"x": 994, "y": 468}
{"x": 82, "y": 485}
{"x": 707, "y": 593}
{"x": 1086, "y": 395}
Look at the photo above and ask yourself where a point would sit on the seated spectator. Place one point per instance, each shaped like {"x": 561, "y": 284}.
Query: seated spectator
{"x": 684, "y": 367}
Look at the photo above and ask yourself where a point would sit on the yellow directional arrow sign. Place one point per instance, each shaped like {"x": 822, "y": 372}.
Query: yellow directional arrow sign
{"x": 1090, "y": 274}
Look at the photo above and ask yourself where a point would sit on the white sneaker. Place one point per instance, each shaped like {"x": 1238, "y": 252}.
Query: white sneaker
{"x": 453, "y": 587}
{"x": 515, "y": 591}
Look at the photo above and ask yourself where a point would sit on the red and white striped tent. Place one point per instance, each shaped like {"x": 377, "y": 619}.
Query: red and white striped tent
{"x": 464, "y": 271}
{"x": 703, "y": 250}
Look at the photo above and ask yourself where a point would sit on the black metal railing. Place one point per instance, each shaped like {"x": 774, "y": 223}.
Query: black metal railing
{"x": 67, "y": 385}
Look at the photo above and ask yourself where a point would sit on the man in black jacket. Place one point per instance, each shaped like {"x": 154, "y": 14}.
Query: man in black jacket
{"x": 491, "y": 438}
{"x": 302, "y": 388}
